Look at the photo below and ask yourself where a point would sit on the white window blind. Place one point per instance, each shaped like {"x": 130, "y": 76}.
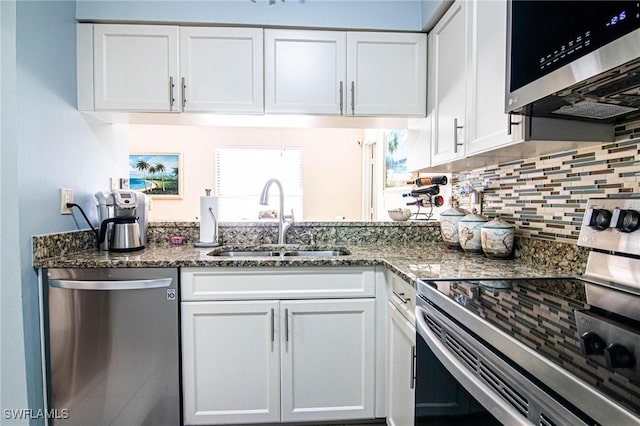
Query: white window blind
{"x": 241, "y": 173}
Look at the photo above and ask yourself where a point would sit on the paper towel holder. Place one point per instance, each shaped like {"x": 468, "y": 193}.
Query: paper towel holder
{"x": 214, "y": 242}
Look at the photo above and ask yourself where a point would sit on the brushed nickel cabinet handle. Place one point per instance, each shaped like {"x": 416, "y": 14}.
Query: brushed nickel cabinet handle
{"x": 401, "y": 297}
{"x": 511, "y": 123}
{"x": 341, "y": 98}
{"x": 455, "y": 135}
{"x": 412, "y": 382}
{"x": 286, "y": 325}
{"x": 171, "y": 97}
{"x": 184, "y": 92}
{"x": 353, "y": 98}
{"x": 273, "y": 325}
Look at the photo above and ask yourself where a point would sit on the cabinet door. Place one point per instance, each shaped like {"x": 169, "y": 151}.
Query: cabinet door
{"x": 328, "y": 360}
{"x": 447, "y": 62}
{"x": 136, "y": 67}
{"x": 386, "y": 74}
{"x": 221, "y": 69}
{"x": 488, "y": 123}
{"x": 401, "y": 374}
{"x": 305, "y": 71}
{"x": 231, "y": 362}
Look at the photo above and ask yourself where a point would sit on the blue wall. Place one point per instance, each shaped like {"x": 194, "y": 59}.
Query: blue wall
{"x": 399, "y": 15}
{"x": 51, "y": 146}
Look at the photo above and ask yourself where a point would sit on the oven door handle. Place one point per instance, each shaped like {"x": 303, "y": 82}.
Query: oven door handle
{"x": 486, "y": 396}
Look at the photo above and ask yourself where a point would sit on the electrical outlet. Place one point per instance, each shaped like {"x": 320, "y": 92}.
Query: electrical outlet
{"x": 66, "y": 196}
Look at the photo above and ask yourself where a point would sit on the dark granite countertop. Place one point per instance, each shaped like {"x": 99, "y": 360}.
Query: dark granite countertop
{"x": 410, "y": 261}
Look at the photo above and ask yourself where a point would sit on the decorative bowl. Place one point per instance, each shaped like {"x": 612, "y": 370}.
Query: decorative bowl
{"x": 399, "y": 214}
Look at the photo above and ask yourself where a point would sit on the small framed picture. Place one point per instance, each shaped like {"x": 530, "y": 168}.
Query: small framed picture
{"x": 395, "y": 159}
{"x": 156, "y": 174}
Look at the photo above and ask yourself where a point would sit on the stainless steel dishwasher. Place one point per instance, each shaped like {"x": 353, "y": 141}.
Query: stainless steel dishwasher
{"x": 112, "y": 346}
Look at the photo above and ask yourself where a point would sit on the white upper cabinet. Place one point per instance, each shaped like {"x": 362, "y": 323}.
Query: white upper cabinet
{"x": 467, "y": 82}
{"x": 154, "y": 68}
{"x": 488, "y": 123}
{"x": 386, "y": 73}
{"x": 305, "y": 71}
{"x": 135, "y": 67}
{"x": 447, "y": 83}
{"x": 221, "y": 69}
{"x": 168, "y": 68}
{"x": 338, "y": 73}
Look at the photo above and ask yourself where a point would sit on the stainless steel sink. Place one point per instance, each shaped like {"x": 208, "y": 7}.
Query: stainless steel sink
{"x": 252, "y": 252}
{"x": 325, "y": 253}
{"x": 245, "y": 253}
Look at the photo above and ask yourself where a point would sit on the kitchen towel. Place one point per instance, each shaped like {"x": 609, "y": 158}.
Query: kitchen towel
{"x": 207, "y": 226}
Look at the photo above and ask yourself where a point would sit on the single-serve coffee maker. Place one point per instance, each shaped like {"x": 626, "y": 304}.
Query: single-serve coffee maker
{"x": 123, "y": 218}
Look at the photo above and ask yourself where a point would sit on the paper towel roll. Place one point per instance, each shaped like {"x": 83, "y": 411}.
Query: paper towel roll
{"x": 207, "y": 228}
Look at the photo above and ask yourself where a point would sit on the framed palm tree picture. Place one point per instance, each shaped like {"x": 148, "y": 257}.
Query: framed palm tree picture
{"x": 395, "y": 158}
{"x": 156, "y": 174}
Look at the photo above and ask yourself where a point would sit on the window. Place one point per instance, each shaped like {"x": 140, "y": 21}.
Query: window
{"x": 241, "y": 173}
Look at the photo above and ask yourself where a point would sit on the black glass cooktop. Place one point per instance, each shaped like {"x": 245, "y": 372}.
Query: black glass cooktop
{"x": 539, "y": 313}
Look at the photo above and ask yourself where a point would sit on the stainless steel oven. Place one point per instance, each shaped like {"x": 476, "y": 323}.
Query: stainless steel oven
{"x": 556, "y": 351}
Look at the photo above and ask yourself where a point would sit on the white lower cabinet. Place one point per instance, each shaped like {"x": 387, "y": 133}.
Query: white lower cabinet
{"x": 401, "y": 393}
{"x": 280, "y": 360}
{"x": 230, "y": 362}
{"x": 401, "y": 346}
{"x": 328, "y": 360}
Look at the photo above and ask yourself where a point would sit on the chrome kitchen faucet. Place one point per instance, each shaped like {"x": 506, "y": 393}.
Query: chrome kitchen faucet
{"x": 283, "y": 225}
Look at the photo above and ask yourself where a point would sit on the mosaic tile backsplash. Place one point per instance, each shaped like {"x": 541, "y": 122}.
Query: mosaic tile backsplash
{"x": 545, "y": 196}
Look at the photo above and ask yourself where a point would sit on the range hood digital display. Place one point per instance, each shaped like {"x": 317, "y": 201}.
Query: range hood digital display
{"x": 547, "y": 35}
{"x": 574, "y": 59}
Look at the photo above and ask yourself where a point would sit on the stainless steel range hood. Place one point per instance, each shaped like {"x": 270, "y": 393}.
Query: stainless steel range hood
{"x": 601, "y": 86}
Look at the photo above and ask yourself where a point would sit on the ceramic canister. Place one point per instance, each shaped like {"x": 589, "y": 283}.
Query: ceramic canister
{"x": 449, "y": 226}
{"x": 497, "y": 238}
{"x": 469, "y": 232}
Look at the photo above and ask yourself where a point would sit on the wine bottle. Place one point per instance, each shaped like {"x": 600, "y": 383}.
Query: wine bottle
{"x": 429, "y": 190}
{"x": 419, "y": 202}
{"x": 431, "y": 180}
{"x": 437, "y": 201}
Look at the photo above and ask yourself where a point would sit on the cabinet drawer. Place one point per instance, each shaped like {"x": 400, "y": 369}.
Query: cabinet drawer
{"x": 403, "y": 296}
{"x": 276, "y": 283}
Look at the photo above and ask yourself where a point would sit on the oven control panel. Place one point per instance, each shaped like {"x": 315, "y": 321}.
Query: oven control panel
{"x": 608, "y": 343}
{"x": 612, "y": 224}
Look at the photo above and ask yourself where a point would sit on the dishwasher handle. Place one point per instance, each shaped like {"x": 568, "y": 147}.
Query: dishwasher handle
{"x": 111, "y": 285}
